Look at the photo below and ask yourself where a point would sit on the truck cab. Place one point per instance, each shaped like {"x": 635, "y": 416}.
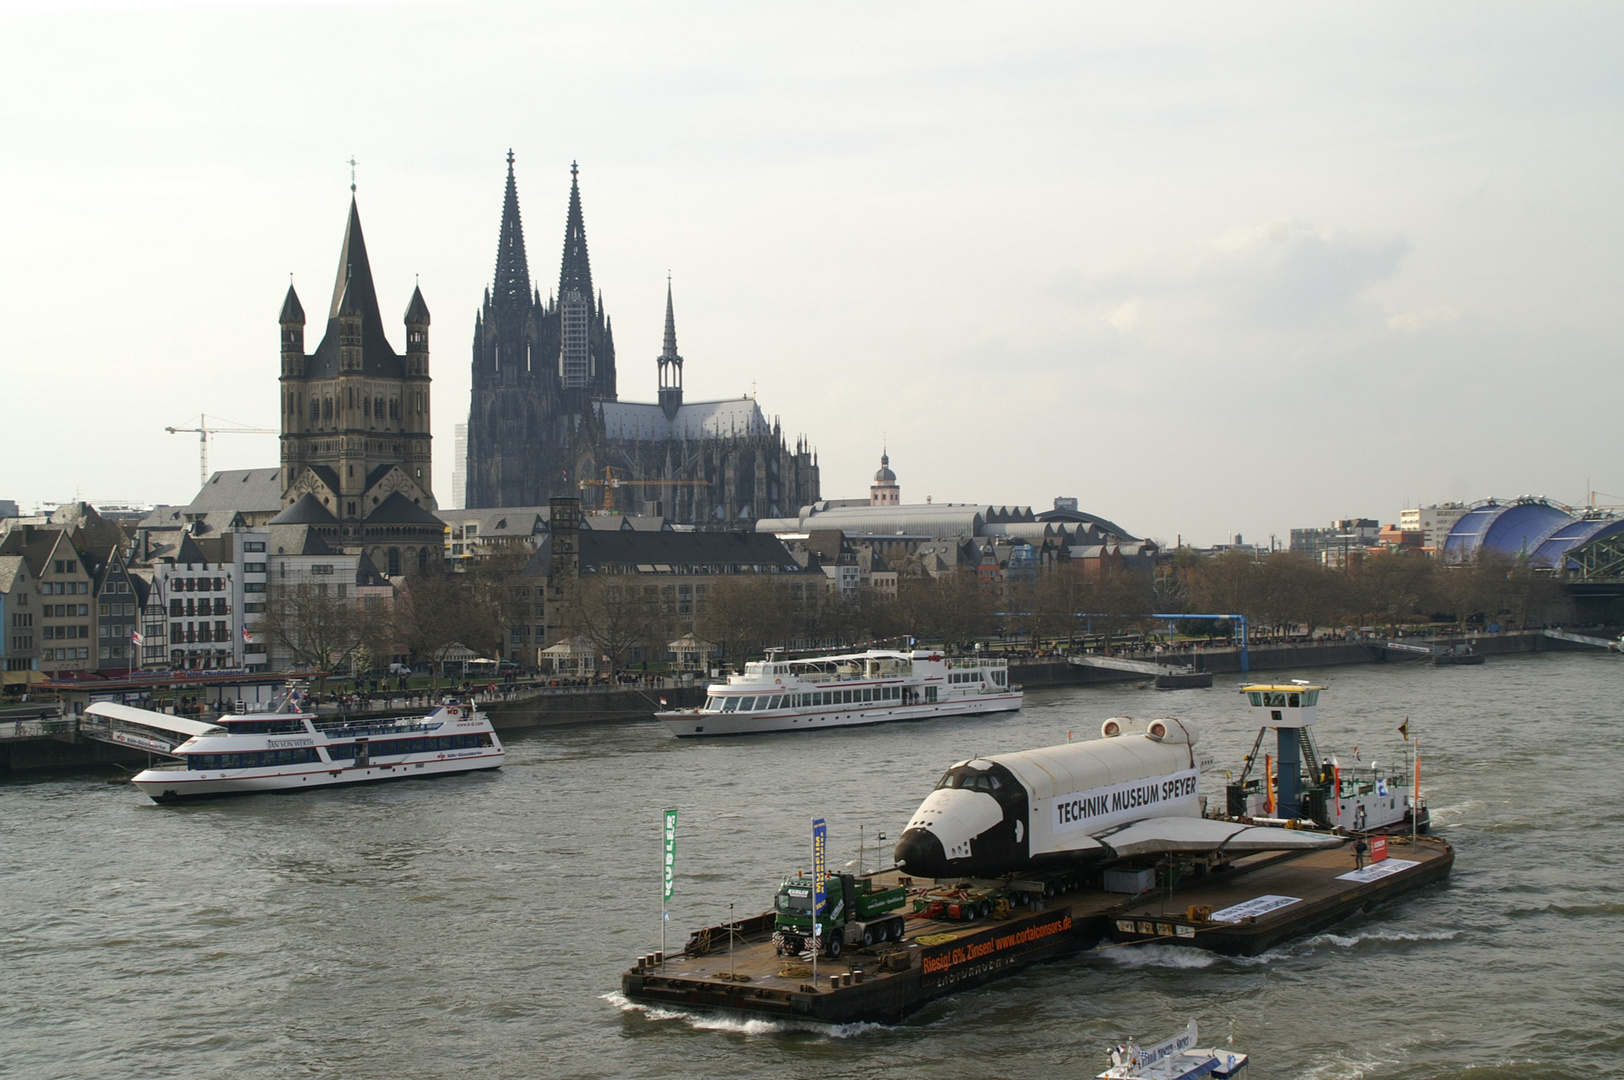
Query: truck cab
{"x": 856, "y": 911}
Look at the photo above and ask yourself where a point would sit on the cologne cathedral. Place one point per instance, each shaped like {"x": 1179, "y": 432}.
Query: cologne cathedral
{"x": 545, "y": 418}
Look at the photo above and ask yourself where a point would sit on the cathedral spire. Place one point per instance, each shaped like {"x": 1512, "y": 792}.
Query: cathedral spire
{"x": 512, "y": 270}
{"x": 670, "y": 350}
{"x": 576, "y": 271}
{"x": 670, "y": 362}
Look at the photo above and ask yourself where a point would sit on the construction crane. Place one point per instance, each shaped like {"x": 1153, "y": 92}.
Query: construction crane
{"x": 203, "y": 431}
{"x": 611, "y": 481}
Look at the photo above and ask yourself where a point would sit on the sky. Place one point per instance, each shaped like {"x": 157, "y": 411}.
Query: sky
{"x": 1211, "y": 269}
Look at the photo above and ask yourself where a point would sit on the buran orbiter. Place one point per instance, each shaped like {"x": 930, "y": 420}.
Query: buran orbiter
{"x": 1128, "y": 794}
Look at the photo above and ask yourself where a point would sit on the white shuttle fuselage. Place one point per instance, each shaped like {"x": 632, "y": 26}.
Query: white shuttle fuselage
{"x": 1132, "y": 792}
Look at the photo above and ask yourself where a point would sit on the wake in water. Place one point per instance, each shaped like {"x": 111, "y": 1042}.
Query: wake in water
{"x": 1188, "y": 957}
{"x": 738, "y": 1025}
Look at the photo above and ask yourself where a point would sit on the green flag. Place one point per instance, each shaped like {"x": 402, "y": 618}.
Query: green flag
{"x": 670, "y": 852}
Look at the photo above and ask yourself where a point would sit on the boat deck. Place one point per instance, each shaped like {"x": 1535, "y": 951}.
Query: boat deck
{"x": 1281, "y": 896}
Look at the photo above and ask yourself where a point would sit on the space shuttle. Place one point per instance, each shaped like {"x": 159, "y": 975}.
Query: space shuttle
{"x": 1130, "y": 793}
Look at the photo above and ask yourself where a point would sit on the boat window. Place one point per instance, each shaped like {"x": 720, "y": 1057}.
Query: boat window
{"x": 1310, "y": 697}
{"x": 868, "y": 695}
{"x": 1294, "y": 700}
{"x": 713, "y": 703}
{"x": 778, "y": 700}
{"x": 729, "y": 704}
{"x": 1255, "y": 698}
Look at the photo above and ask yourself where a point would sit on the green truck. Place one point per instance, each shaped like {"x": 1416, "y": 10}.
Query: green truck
{"x": 856, "y": 911}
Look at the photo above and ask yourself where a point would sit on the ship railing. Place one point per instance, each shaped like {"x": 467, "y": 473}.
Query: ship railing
{"x": 36, "y": 727}
{"x": 349, "y": 729}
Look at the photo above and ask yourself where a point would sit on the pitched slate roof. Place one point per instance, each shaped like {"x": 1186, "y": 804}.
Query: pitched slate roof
{"x": 308, "y": 510}
{"x": 399, "y": 510}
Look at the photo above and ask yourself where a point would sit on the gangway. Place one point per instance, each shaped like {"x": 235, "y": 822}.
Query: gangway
{"x": 1406, "y": 647}
{"x": 1586, "y": 639}
{"x": 125, "y": 725}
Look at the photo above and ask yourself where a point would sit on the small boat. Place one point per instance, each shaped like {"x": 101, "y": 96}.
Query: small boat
{"x": 1459, "y": 655}
{"x": 842, "y": 690}
{"x": 1184, "y": 680}
{"x": 285, "y": 749}
{"x": 1172, "y": 1059}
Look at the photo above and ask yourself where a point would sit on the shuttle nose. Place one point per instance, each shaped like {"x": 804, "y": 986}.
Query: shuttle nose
{"x": 920, "y": 853}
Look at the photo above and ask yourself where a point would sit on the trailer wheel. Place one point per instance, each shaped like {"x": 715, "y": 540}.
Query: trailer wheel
{"x": 868, "y": 936}
{"x": 832, "y": 950}
{"x": 899, "y": 929}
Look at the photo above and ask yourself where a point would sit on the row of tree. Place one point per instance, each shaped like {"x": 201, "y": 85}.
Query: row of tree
{"x": 479, "y": 608}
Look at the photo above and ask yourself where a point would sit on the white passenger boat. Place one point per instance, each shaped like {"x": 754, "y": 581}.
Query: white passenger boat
{"x": 1172, "y": 1059}
{"x": 872, "y": 687}
{"x": 287, "y": 750}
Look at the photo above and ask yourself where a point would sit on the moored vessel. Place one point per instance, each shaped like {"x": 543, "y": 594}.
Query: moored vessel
{"x": 845, "y": 689}
{"x": 286, "y": 749}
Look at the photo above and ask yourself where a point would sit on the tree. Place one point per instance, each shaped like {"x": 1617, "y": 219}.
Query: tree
{"x": 613, "y": 612}
{"x": 318, "y": 628}
{"x": 744, "y": 613}
{"x": 440, "y": 609}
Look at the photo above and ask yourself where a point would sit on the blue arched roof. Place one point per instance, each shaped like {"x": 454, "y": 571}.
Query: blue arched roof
{"x": 1574, "y": 535}
{"x": 1508, "y": 529}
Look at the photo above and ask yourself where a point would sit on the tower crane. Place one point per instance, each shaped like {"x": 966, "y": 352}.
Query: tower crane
{"x": 612, "y": 480}
{"x": 203, "y": 431}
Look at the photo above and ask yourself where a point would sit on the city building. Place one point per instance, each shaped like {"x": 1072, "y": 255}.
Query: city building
{"x": 356, "y": 455}
{"x": 676, "y": 570}
{"x": 1432, "y": 522}
{"x": 19, "y": 654}
{"x": 545, "y": 419}
{"x": 1332, "y": 544}
{"x": 459, "y": 467}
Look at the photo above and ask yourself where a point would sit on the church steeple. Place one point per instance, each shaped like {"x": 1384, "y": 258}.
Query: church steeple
{"x": 670, "y": 362}
{"x": 512, "y": 269}
{"x": 354, "y": 277}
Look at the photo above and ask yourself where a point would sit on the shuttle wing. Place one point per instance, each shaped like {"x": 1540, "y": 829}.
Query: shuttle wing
{"x": 1157, "y": 836}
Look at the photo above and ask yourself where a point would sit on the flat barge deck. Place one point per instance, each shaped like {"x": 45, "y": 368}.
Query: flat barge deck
{"x": 1253, "y": 905}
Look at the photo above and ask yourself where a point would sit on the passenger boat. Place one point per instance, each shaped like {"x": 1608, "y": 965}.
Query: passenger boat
{"x": 290, "y": 750}
{"x": 872, "y": 687}
{"x": 1172, "y": 1059}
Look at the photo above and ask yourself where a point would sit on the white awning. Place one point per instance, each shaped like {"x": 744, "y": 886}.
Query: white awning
{"x": 178, "y": 725}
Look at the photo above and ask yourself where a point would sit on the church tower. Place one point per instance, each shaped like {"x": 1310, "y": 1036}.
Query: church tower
{"x": 885, "y": 490}
{"x": 355, "y": 414}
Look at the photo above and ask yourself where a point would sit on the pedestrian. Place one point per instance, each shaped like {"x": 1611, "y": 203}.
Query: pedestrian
{"x": 1359, "y": 849}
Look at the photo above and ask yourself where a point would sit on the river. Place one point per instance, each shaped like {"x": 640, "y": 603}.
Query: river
{"x": 476, "y": 927}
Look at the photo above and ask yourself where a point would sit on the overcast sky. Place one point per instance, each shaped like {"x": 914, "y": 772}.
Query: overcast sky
{"x": 1209, "y": 268}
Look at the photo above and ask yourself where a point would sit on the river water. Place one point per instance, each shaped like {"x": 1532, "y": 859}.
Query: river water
{"x": 477, "y": 926}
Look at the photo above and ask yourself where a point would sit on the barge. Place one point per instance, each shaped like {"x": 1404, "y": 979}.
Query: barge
{"x": 1244, "y": 907}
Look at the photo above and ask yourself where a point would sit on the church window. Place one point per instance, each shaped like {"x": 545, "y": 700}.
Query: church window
{"x": 326, "y": 408}
{"x": 315, "y": 409}
{"x": 366, "y": 407}
{"x": 352, "y": 397}
{"x": 394, "y": 562}
{"x": 394, "y": 408}
{"x": 422, "y": 558}
{"x": 377, "y": 408}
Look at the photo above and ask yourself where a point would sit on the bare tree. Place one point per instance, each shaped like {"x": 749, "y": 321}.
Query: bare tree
{"x": 319, "y": 629}
{"x": 614, "y": 613}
